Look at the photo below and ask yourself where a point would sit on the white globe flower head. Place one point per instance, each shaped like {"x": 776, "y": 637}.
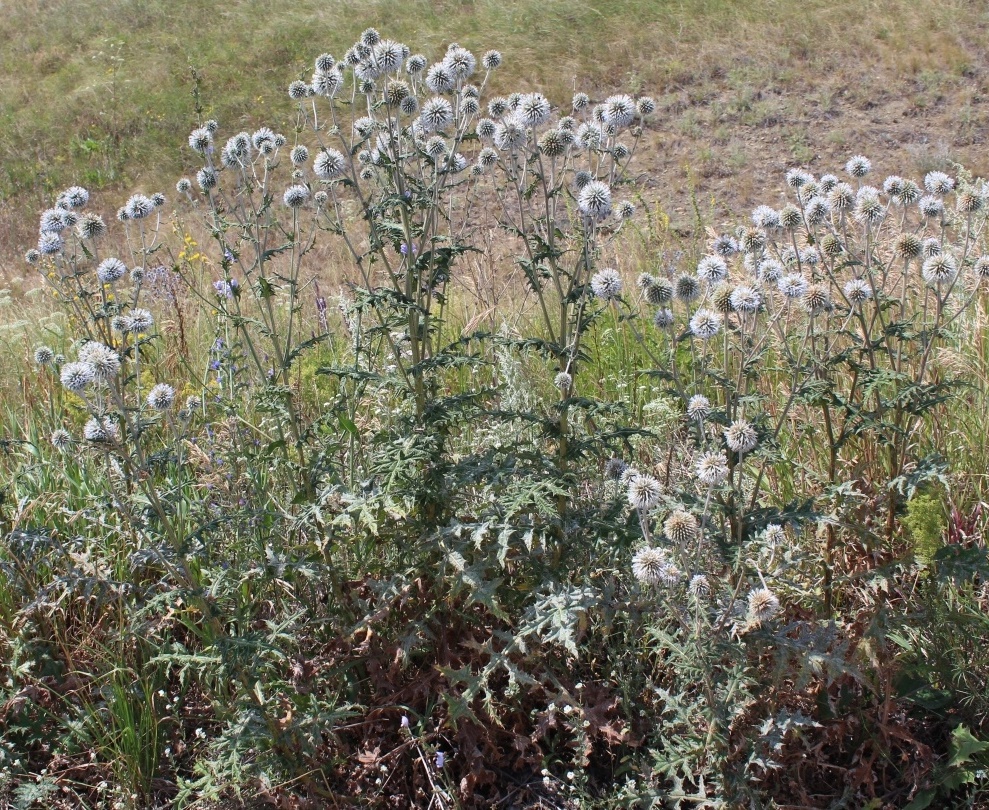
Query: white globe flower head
{"x": 328, "y": 164}
{"x": 110, "y": 270}
{"x": 161, "y": 397}
{"x": 594, "y": 200}
{"x": 741, "y": 436}
{"x": 644, "y": 491}
{"x": 76, "y": 377}
{"x": 698, "y": 407}
{"x": 606, "y": 284}
{"x": 649, "y": 565}
{"x": 711, "y": 469}
{"x": 712, "y": 269}
{"x": 706, "y": 323}
{"x": 620, "y": 111}
{"x": 763, "y": 605}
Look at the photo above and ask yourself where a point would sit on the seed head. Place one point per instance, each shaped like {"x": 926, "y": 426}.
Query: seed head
{"x": 908, "y": 246}
{"x": 491, "y": 60}
{"x": 698, "y": 407}
{"x": 699, "y": 587}
{"x": 681, "y": 527}
{"x": 687, "y": 288}
{"x": 857, "y": 291}
{"x": 763, "y": 605}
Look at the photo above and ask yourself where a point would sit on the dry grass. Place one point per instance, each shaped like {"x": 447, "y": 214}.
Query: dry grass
{"x": 102, "y": 93}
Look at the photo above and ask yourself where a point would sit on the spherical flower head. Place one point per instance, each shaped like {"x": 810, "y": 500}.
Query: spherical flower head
{"x": 606, "y": 284}
{"x": 687, "y": 288}
{"x": 440, "y": 79}
{"x": 50, "y": 244}
{"x": 415, "y": 64}
{"x": 681, "y": 527}
{"x": 827, "y": 183}
{"x": 817, "y": 299}
{"x": 52, "y": 221}
{"x": 796, "y": 178}
{"x": 698, "y": 407}
{"x": 741, "y": 436}
{"x": 857, "y": 291}
{"x": 645, "y": 106}
{"x": 200, "y": 140}
{"x": 76, "y": 377}
{"x": 296, "y": 196}
{"x": 61, "y": 439}
{"x": 44, "y": 356}
{"x": 699, "y": 587}
{"x": 298, "y": 90}
{"x": 721, "y": 298}
{"x": 663, "y": 318}
{"x": 969, "y": 201}
{"x": 388, "y": 56}
{"x": 263, "y": 140}
{"x": 497, "y": 107}
{"x": 581, "y": 178}
{"x": 491, "y": 60}
{"x": 763, "y": 605}
{"x": 460, "y": 62}
{"x": 110, "y": 270}
{"x": 908, "y": 194}
{"x": 436, "y": 114}
{"x": 841, "y": 197}
{"x": 711, "y": 469}
{"x": 206, "y": 178}
{"x": 790, "y": 217}
{"x": 32, "y": 256}
{"x": 644, "y": 491}
{"x": 183, "y": 186}
{"x": 161, "y": 397}
{"x": 487, "y": 158}
{"x": 649, "y": 565}
{"x": 725, "y": 245}
{"x": 893, "y": 185}
{"x": 624, "y": 210}
{"x": 90, "y": 227}
{"x": 211, "y": 125}
{"x": 409, "y": 106}
{"x": 485, "y": 129}
{"x": 931, "y": 247}
{"x": 831, "y": 245}
{"x": 766, "y": 218}
{"x": 553, "y": 143}
{"x": 299, "y": 155}
{"x": 706, "y": 324}
{"x": 325, "y": 62}
{"x": 589, "y": 136}
{"x": 436, "y": 147}
{"x": 73, "y": 197}
{"x": 137, "y": 274}
{"x": 613, "y": 468}
{"x": 658, "y": 291}
{"x": 581, "y": 101}
{"x": 103, "y": 360}
{"x": 792, "y": 285}
{"x": 619, "y": 110}
{"x": 533, "y": 109}
{"x": 753, "y": 240}
{"x": 594, "y": 200}
{"x": 938, "y": 183}
{"x": 100, "y": 430}
{"x": 774, "y": 535}
{"x": 563, "y": 381}
{"x": 325, "y": 84}
{"x": 858, "y": 166}
{"x": 869, "y": 209}
{"x": 122, "y": 215}
{"x": 745, "y": 299}
{"x": 816, "y": 211}
{"x": 981, "y": 268}
{"x": 328, "y": 164}
{"x": 939, "y": 269}
{"x": 712, "y": 269}
{"x": 139, "y": 206}
{"x": 770, "y": 271}
{"x": 140, "y": 321}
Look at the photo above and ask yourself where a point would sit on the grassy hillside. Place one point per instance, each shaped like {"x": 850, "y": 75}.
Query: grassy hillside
{"x": 103, "y": 93}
